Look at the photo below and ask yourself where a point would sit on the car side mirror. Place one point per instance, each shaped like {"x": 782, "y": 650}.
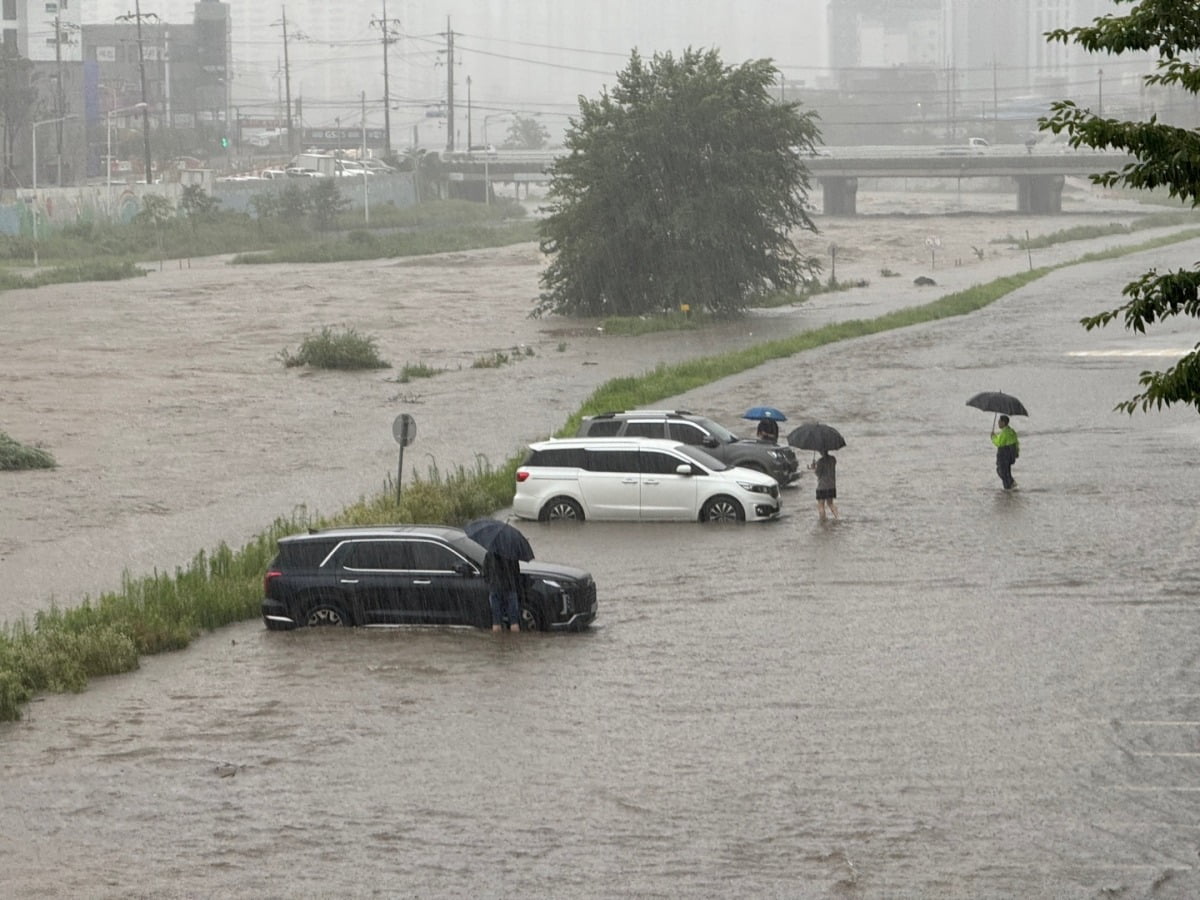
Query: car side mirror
{"x": 710, "y": 441}
{"x": 464, "y": 569}
{"x": 683, "y": 469}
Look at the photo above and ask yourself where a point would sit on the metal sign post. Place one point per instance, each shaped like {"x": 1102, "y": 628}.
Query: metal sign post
{"x": 404, "y": 430}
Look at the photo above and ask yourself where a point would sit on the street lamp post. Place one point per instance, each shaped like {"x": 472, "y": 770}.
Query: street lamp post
{"x": 108, "y": 160}
{"x": 492, "y": 116}
{"x": 33, "y": 130}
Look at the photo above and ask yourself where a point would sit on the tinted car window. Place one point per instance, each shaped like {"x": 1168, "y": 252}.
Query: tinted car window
{"x": 376, "y": 555}
{"x": 306, "y": 554}
{"x": 686, "y": 433}
{"x": 644, "y": 429}
{"x": 612, "y": 460}
{"x": 558, "y": 457}
{"x": 430, "y": 557}
{"x": 604, "y": 428}
{"x": 658, "y": 463}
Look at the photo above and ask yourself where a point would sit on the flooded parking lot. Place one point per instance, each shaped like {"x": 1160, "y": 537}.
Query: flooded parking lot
{"x": 952, "y": 691}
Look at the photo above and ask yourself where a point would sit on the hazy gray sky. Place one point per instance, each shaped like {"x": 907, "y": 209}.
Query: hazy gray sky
{"x": 537, "y": 55}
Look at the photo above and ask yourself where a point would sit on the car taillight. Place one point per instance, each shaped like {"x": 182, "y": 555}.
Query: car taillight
{"x": 522, "y": 475}
{"x": 269, "y": 577}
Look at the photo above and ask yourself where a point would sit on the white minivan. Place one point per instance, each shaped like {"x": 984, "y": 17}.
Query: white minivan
{"x": 638, "y": 479}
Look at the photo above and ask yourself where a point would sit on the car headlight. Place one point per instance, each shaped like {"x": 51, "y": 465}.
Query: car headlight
{"x": 754, "y": 488}
{"x": 552, "y": 583}
{"x": 777, "y": 454}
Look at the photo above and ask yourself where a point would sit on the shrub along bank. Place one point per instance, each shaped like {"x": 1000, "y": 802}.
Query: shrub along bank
{"x": 62, "y": 648}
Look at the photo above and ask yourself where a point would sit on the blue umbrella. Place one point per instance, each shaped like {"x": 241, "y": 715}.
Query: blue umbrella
{"x": 499, "y": 538}
{"x": 764, "y": 412}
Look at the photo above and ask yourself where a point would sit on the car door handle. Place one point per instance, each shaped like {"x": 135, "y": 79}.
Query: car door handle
{"x": 349, "y": 580}
{"x": 629, "y": 481}
{"x": 422, "y": 581}
{"x": 649, "y": 481}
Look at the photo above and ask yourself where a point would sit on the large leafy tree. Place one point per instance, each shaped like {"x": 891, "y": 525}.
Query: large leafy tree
{"x": 1165, "y": 156}
{"x": 683, "y": 185}
{"x": 526, "y": 133}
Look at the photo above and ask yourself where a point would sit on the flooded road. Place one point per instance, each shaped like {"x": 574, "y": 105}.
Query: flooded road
{"x": 951, "y": 692}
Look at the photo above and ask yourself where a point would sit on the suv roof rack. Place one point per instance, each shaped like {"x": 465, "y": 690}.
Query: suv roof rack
{"x": 645, "y": 412}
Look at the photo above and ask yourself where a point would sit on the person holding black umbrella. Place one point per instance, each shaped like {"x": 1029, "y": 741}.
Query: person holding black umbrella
{"x": 503, "y": 576}
{"x": 1008, "y": 448}
{"x": 506, "y": 549}
{"x": 825, "y": 469}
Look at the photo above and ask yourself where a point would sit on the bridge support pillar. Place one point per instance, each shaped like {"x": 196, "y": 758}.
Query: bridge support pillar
{"x": 1039, "y": 194}
{"x": 840, "y": 196}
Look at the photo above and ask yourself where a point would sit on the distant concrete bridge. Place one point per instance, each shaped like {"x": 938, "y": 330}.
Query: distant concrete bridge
{"x": 1038, "y": 174}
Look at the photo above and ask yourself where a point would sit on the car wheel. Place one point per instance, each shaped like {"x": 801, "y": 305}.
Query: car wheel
{"x": 531, "y": 619}
{"x": 722, "y": 509}
{"x": 561, "y": 509}
{"x": 325, "y": 614}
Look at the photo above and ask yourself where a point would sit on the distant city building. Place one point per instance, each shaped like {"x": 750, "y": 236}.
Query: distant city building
{"x": 42, "y": 30}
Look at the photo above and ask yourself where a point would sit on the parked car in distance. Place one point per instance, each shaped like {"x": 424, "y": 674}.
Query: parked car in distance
{"x": 638, "y": 479}
{"x": 410, "y": 575}
{"x": 975, "y": 146}
{"x": 688, "y": 428}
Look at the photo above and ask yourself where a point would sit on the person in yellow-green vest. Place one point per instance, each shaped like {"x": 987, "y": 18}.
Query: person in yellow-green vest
{"x": 1008, "y": 448}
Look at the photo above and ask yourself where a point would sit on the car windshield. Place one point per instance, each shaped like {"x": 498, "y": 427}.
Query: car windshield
{"x": 719, "y": 431}
{"x": 702, "y": 457}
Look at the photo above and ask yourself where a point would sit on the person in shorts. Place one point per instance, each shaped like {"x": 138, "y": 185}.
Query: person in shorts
{"x": 825, "y": 469}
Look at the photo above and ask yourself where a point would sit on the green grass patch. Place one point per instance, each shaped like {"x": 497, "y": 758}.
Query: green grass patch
{"x": 330, "y": 349}
{"x": 84, "y": 251}
{"x": 15, "y": 456}
{"x": 62, "y": 649}
{"x": 416, "y": 370}
{"x": 491, "y": 360}
{"x": 90, "y": 270}
{"x": 395, "y": 244}
{"x": 1164, "y": 219}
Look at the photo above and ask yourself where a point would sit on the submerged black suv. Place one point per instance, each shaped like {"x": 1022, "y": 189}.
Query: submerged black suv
{"x": 410, "y": 575}
{"x": 688, "y": 428}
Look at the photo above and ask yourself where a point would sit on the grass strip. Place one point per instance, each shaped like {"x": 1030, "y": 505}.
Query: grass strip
{"x": 360, "y": 246}
{"x": 63, "y": 648}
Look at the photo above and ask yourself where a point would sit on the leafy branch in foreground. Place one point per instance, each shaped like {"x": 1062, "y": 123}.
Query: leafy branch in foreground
{"x": 1165, "y": 157}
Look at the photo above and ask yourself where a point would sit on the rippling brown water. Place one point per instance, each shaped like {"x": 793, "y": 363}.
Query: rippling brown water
{"x": 951, "y": 692}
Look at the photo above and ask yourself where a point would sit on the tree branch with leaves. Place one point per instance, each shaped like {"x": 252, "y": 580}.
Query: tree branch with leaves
{"x": 1165, "y": 157}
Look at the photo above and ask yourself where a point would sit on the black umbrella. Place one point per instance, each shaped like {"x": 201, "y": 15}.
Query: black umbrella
{"x": 499, "y": 538}
{"x": 817, "y": 437}
{"x": 998, "y": 402}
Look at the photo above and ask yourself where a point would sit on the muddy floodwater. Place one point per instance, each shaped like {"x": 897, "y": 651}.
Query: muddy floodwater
{"x": 951, "y": 692}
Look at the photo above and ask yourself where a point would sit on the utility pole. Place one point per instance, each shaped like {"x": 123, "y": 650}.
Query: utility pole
{"x": 287, "y": 82}
{"x": 137, "y": 16}
{"x": 468, "y": 113}
{"x": 59, "y": 96}
{"x": 449, "y": 87}
{"x": 386, "y": 27}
